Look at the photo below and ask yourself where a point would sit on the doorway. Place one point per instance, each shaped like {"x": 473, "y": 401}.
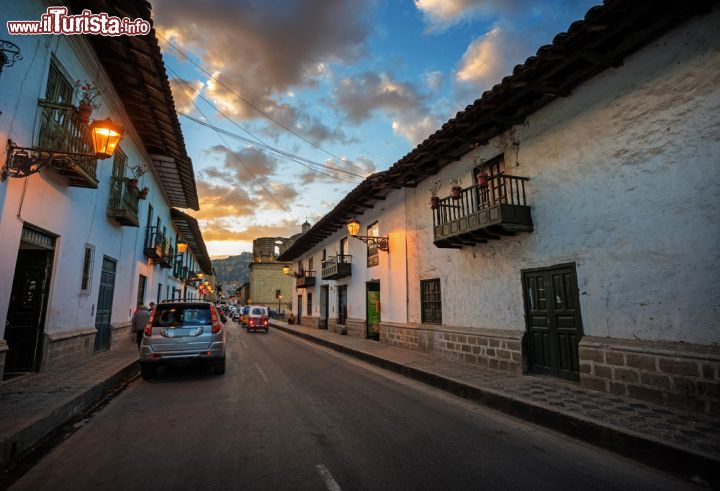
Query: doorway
{"x": 25, "y": 323}
{"x": 342, "y": 304}
{"x": 104, "y": 305}
{"x": 554, "y": 324}
{"x": 324, "y": 306}
{"x": 372, "y": 310}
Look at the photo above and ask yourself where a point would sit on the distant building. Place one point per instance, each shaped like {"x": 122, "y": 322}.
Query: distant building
{"x": 268, "y": 284}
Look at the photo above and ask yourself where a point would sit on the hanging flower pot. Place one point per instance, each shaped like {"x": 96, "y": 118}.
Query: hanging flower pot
{"x": 143, "y": 193}
{"x": 456, "y": 192}
{"x": 132, "y": 183}
{"x": 434, "y": 202}
{"x": 85, "y": 110}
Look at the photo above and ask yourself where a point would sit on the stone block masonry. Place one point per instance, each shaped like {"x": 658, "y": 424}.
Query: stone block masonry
{"x": 496, "y": 349}
{"x": 66, "y": 346}
{"x": 122, "y": 335}
{"x": 681, "y": 375}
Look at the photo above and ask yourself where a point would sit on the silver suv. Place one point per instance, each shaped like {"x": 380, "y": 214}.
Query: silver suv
{"x": 183, "y": 332}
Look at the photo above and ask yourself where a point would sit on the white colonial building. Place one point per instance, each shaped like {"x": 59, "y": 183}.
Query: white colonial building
{"x": 581, "y": 237}
{"x": 86, "y": 240}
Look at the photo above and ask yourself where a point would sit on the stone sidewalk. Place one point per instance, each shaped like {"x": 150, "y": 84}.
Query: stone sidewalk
{"x": 678, "y": 441}
{"x": 33, "y": 407}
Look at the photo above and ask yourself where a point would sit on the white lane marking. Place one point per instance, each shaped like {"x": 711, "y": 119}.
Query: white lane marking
{"x": 261, "y": 372}
{"x": 331, "y": 484}
{"x": 244, "y": 345}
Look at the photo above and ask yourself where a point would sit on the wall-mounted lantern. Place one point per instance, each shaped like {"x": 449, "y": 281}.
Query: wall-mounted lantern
{"x": 181, "y": 246}
{"x": 22, "y": 162}
{"x": 286, "y": 271}
{"x": 353, "y": 227}
{"x": 105, "y": 137}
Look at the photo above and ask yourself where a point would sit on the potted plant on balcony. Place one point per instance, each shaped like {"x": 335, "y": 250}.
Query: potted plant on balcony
{"x": 88, "y": 94}
{"x": 434, "y": 199}
{"x": 144, "y": 193}
{"x": 456, "y": 189}
{"x": 138, "y": 171}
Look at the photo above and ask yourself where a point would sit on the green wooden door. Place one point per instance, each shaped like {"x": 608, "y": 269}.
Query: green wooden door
{"x": 554, "y": 325}
{"x": 104, "y": 305}
{"x": 373, "y": 310}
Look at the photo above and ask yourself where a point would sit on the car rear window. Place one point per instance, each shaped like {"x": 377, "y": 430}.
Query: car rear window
{"x": 258, "y": 311}
{"x": 182, "y": 316}
{"x": 245, "y": 310}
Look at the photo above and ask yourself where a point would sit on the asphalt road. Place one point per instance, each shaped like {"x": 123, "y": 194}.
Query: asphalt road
{"x": 291, "y": 415}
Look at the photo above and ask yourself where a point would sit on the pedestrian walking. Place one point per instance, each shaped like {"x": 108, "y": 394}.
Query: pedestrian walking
{"x": 139, "y": 321}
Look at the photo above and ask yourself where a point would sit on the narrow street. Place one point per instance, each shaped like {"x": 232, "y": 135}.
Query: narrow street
{"x": 290, "y": 415}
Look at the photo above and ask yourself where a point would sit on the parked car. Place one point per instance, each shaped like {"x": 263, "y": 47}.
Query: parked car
{"x": 258, "y": 318}
{"x": 183, "y": 332}
{"x": 236, "y": 314}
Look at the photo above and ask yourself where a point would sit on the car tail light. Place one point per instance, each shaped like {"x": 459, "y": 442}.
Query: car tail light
{"x": 265, "y": 321}
{"x": 216, "y": 324}
{"x": 148, "y": 326}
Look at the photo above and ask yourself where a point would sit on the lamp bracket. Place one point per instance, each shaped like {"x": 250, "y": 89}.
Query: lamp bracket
{"x": 23, "y": 161}
{"x": 379, "y": 242}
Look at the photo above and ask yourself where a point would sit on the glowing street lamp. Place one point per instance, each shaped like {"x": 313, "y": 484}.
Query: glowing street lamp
{"x": 105, "y": 137}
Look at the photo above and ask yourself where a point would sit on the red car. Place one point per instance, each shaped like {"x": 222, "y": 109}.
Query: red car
{"x": 257, "y": 318}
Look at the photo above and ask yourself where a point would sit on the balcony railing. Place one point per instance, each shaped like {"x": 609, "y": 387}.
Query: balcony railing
{"x": 153, "y": 243}
{"x": 61, "y": 130}
{"x": 123, "y": 203}
{"x": 483, "y": 213}
{"x": 337, "y": 267}
{"x": 167, "y": 255}
{"x": 306, "y": 280}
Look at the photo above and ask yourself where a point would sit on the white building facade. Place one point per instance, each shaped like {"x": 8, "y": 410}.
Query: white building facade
{"x": 582, "y": 239}
{"x": 78, "y": 239}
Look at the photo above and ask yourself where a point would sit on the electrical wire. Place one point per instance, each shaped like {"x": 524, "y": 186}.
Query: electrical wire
{"x": 259, "y": 143}
{"x": 352, "y": 178}
{"x": 255, "y": 107}
{"x": 254, "y": 177}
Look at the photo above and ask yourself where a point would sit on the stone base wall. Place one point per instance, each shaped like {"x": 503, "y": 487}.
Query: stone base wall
{"x": 493, "y": 349}
{"x": 122, "y": 335}
{"x": 67, "y": 346}
{"x": 3, "y": 349}
{"x": 355, "y": 328}
{"x": 676, "y": 374}
{"x": 333, "y": 326}
{"x": 310, "y": 322}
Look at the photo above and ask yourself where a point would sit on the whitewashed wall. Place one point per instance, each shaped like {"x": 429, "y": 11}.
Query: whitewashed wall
{"x": 76, "y": 215}
{"x": 390, "y": 215}
{"x": 625, "y": 182}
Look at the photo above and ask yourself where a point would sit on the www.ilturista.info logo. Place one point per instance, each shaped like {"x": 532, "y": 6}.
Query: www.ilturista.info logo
{"x": 57, "y": 21}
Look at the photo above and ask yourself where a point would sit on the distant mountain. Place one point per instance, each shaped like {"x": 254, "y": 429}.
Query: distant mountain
{"x": 232, "y": 271}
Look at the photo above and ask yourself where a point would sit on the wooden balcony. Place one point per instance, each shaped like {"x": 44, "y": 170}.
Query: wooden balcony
{"x": 483, "y": 213}
{"x": 306, "y": 280}
{"x": 62, "y": 131}
{"x": 153, "y": 248}
{"x": 337, "y": 267}
{"x": 124, "y": 201}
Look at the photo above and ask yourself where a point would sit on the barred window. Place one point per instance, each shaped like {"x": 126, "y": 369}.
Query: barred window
{"x": 86, "y": 282}
{"x": 309, "y": 303}
{"x": 430, "y": 301}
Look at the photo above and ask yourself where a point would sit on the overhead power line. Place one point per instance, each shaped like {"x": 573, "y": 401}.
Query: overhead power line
{"x": 255, "y": 107}
{"x": 332, "y": 172}
{"x": 254, "y": 177}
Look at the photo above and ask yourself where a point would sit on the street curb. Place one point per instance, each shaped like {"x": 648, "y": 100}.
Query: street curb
{"x": 15, "y": 447}
{"x": 656, "y": 453}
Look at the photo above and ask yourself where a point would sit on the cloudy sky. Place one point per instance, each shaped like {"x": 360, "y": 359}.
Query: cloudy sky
{"x": 310, "y": 96}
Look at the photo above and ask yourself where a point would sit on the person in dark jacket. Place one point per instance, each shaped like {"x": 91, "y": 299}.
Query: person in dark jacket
{"x": 139, "y": 321}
